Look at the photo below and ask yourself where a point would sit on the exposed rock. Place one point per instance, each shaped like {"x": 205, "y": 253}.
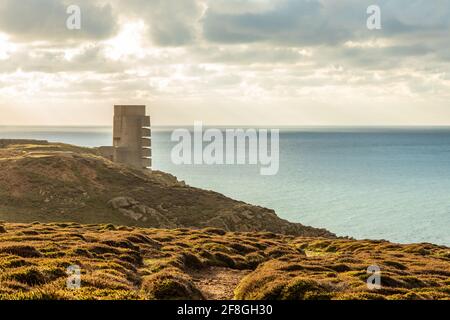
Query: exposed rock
{"x": 88, "y": 188}
{"x": 244, "y": 217}
{"x": 120, "y": 202}
{"x": 131, "y": 214}
{"x": 138, "y": 212}
{"x": 140, "y": 208}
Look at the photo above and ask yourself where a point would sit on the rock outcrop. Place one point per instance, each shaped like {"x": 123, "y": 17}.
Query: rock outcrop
{"x": 52, "y": 182}
{"x": 139, "y": 212}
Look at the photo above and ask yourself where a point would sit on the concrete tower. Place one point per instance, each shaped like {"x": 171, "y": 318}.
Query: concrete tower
{"x": 132, "y": 137}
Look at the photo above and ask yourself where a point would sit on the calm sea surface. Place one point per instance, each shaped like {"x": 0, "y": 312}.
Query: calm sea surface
{"x": 377, "y": 183}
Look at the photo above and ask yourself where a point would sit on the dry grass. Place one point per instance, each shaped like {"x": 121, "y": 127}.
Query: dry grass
{"x": 138, "y": 263}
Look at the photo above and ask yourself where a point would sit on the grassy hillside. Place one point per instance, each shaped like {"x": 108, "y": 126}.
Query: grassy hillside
{"x": 145, "y": 235}
{"x": 52, "y": 182}
{"x": 140, "y": 263}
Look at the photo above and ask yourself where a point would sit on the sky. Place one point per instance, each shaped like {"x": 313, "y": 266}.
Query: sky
{"x": 226, "y": 62}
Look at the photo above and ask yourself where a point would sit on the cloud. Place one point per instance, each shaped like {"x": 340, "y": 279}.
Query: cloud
{"x": 294, "y": 22}
{"x": 170, "y": 22}
{"x": 45, "y": 20}
{"x": 299, "y": 53}
{"x": 318, "y": 23}
{"x": 91, "y": 57}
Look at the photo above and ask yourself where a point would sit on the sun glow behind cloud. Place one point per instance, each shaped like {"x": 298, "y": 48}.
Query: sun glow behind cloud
{"x": 6, "y": 47}
{"x": 129, "y": 42}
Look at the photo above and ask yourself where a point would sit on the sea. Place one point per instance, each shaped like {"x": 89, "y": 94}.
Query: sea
{"x": 388, "y": 183}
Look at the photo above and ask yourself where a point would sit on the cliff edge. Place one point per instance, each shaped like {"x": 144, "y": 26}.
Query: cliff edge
{"x": 54, "y": 182}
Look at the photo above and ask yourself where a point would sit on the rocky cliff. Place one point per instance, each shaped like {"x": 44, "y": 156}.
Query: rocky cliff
{"x": 53, "y": 182}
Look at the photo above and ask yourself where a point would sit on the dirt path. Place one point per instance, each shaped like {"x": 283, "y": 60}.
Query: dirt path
{"x": 218, "y": 283}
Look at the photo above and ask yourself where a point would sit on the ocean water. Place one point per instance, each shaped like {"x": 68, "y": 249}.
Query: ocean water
{"x": 375, "y": 183}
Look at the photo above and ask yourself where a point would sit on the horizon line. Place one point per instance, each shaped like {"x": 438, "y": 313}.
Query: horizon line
{"x": 242, "y": 125}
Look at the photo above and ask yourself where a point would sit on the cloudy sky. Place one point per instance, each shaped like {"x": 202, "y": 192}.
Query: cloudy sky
{"x": 252, "y": 62}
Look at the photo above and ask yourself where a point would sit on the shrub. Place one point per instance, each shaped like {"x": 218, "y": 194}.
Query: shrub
{"x": 29, "y": 275}
{"x": 394, "y": 264}
{"x": 170, "y": 284}
{"x": 21, "y": 251}
{"x": 360, "y": 296}
{"x": 223, "y": 259}
{"x": 257, "y": 286}
{"x": 109, "y": 227}
{"x": 242, "y": 248}
{"x": 13, "y": 262}
{"x": 101, "y": 249}
{"x": 216, "y": 231}
{"x": 254, "y": 259}
{"x": 301, "y": 288}
{"x": 106, "y": 279}
{"x": 339, "y": 267}
{"x": 191, "y": 260}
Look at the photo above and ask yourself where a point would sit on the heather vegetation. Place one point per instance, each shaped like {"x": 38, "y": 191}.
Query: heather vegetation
{"x": 119, "y": 262}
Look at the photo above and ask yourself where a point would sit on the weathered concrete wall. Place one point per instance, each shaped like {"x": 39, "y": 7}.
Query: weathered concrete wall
{"x": 132, "y": 136}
